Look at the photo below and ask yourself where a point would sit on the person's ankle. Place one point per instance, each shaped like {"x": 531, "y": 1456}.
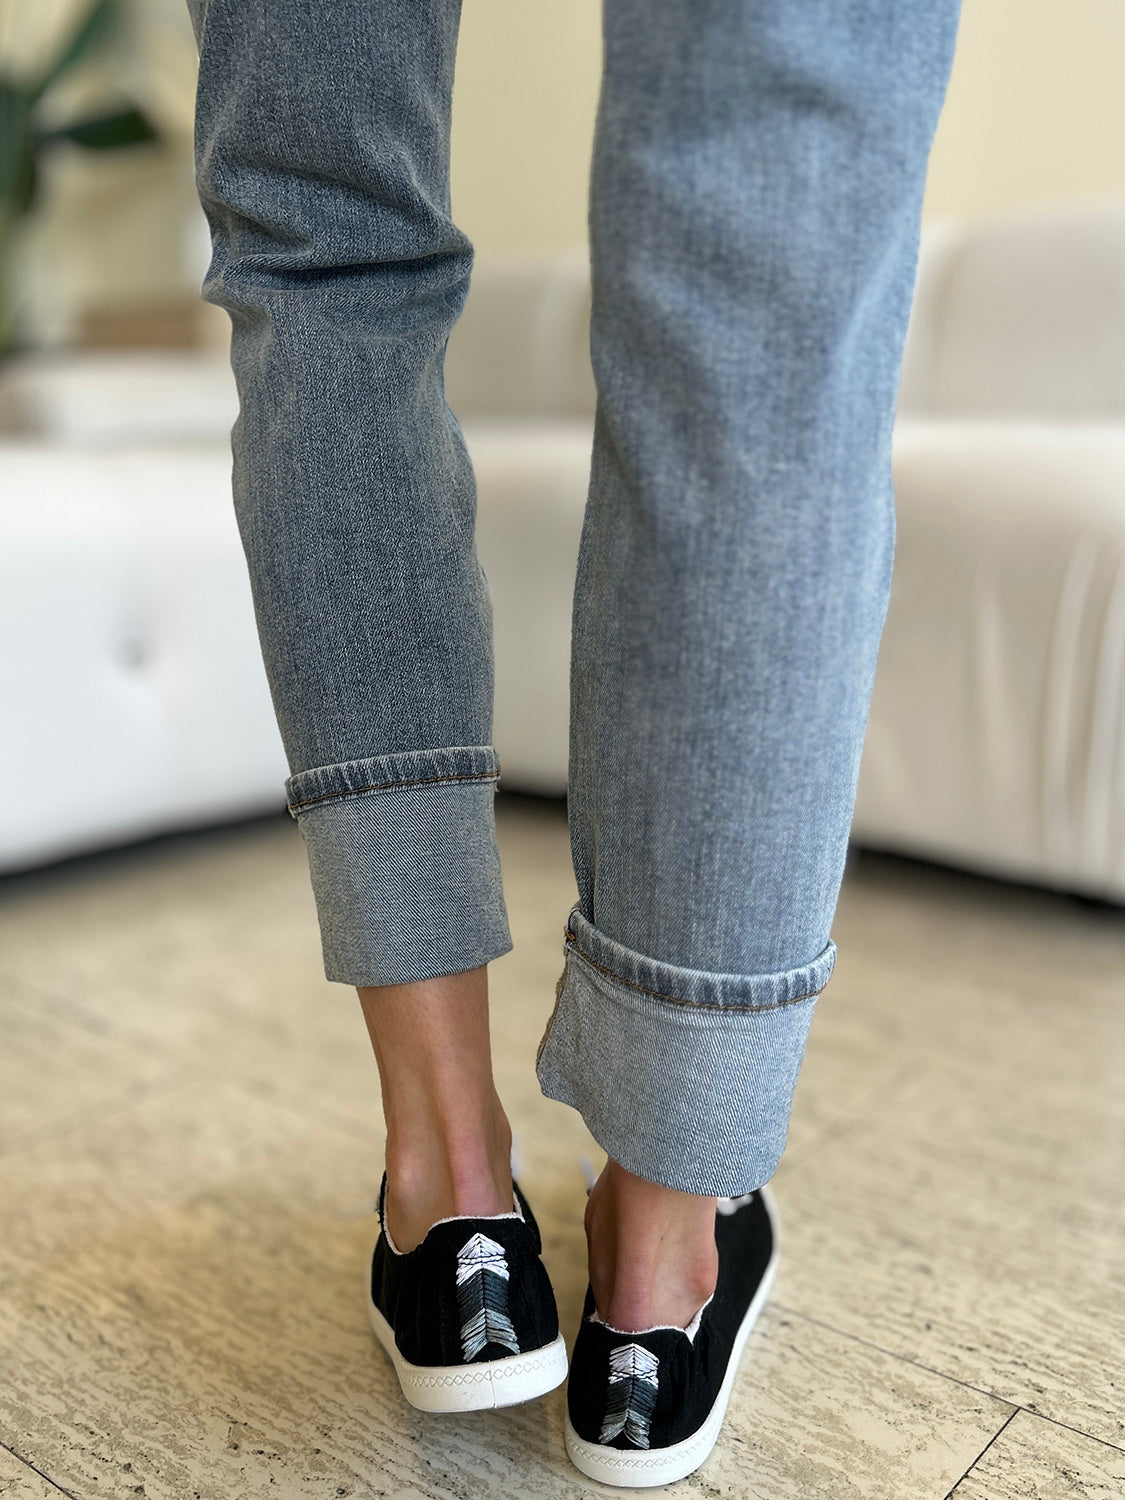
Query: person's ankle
{"x": 448, "y": 1139}
{"x": 434, "y": 1175}
{"x": 653, "y": 1258}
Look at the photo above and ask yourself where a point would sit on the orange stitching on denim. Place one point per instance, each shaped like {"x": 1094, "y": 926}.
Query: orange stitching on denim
{"x": 675, "y": 999}
{"x": 387, "y": 786}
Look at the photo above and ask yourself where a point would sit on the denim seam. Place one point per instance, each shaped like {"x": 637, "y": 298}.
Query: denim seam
{"x": 675, "y": 999}
{"x": 551, "y": 1018}
{"x": 390, "y": 786}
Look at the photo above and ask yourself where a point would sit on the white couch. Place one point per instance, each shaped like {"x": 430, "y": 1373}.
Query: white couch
{"x": 136, "y": 701}
{"x": 997, "y": 730}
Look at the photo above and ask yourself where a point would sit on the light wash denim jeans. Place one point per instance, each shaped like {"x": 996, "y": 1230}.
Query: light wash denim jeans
{"x": 755, "y": 203}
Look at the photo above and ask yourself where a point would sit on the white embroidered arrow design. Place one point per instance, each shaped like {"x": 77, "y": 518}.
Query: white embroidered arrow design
{"x": 482, "y": 1296}
{"x": 633, "y": 1383}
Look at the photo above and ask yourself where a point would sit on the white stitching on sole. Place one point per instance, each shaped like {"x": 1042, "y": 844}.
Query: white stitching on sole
{"x": 498, "y": 1382}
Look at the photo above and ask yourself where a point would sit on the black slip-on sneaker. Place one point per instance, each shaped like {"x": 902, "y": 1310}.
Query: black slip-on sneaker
{"x": 646, "y": 1408}
{"x": 468, "y": 1317}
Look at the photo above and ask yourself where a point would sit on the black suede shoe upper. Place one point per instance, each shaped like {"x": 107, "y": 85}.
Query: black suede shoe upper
{"x": 474, "y": 1289}
{"x": 653, "y": 1389}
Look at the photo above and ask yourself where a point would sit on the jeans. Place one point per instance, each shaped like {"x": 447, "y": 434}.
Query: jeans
{"x": 754, "y": 215}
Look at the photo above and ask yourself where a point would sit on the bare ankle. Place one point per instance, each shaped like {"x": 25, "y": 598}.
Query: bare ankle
{"x": 652, "y": 1251}
{"x": 434, "y": 1178}
{"x": 448, "y": 1139}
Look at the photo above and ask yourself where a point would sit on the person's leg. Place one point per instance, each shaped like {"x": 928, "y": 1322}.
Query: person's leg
{"x": 322, "y": 162}
{"x": 448, "y": 1140}
{"x": 755, "y": 203}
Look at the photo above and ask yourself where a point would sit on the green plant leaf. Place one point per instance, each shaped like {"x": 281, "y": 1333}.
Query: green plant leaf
{"x": 124, "y": 127}
{"x": 26, "y": 184}
{"x": 17, "y": 160}
{"x": 90, "y": 34}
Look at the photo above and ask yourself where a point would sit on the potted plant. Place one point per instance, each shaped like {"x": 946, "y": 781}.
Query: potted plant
{"x": 24, "y": 139}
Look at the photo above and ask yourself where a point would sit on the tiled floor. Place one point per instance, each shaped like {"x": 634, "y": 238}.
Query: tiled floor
{"x": 190, "y": 1149}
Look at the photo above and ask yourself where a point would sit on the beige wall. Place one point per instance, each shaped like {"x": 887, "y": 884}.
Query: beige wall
{"x": 1036, "y": 107}
{"x": 1035, "y": 113}
{"x": 523, "y": 121}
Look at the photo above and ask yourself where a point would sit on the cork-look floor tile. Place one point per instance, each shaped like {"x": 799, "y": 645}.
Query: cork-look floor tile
{"x": 939, "y": 965}
{"x": 188, "y": 1319}
{"x": 19, "y": 1482}
{"x": 59, "y": 1067}
{"x": 194, "y": 1144}
{"x": 973, "y": 1219}
{"x": 1036, "y": 1460}
{"x": 786, "y": 1437}
{"x": 978, "y": 1232}
{"x": 199, "y": 951}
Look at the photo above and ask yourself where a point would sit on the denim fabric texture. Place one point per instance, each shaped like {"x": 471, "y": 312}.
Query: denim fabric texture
{"x": 755, "y": 204}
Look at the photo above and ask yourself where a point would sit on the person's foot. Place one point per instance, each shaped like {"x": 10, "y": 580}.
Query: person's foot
{"x": 468, "y": 1315}
{"x": 645, "y": 1406}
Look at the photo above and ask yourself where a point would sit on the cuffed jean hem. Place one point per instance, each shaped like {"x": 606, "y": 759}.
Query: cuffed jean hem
{"x": 684, "y": 1077}
{"x": 404, "y": 863}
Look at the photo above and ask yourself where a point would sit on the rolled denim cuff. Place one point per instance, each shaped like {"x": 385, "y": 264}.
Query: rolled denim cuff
{"x": 684, "y": 1077}
{"x": 404, "y": 863}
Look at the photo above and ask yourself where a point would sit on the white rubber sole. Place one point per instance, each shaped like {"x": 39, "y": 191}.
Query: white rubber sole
{"x": 478, "y": 1387}
{"x": 642, "y": 1468}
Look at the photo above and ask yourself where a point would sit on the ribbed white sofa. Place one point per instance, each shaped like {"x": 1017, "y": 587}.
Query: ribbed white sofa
{"x": 136, "y": 701}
